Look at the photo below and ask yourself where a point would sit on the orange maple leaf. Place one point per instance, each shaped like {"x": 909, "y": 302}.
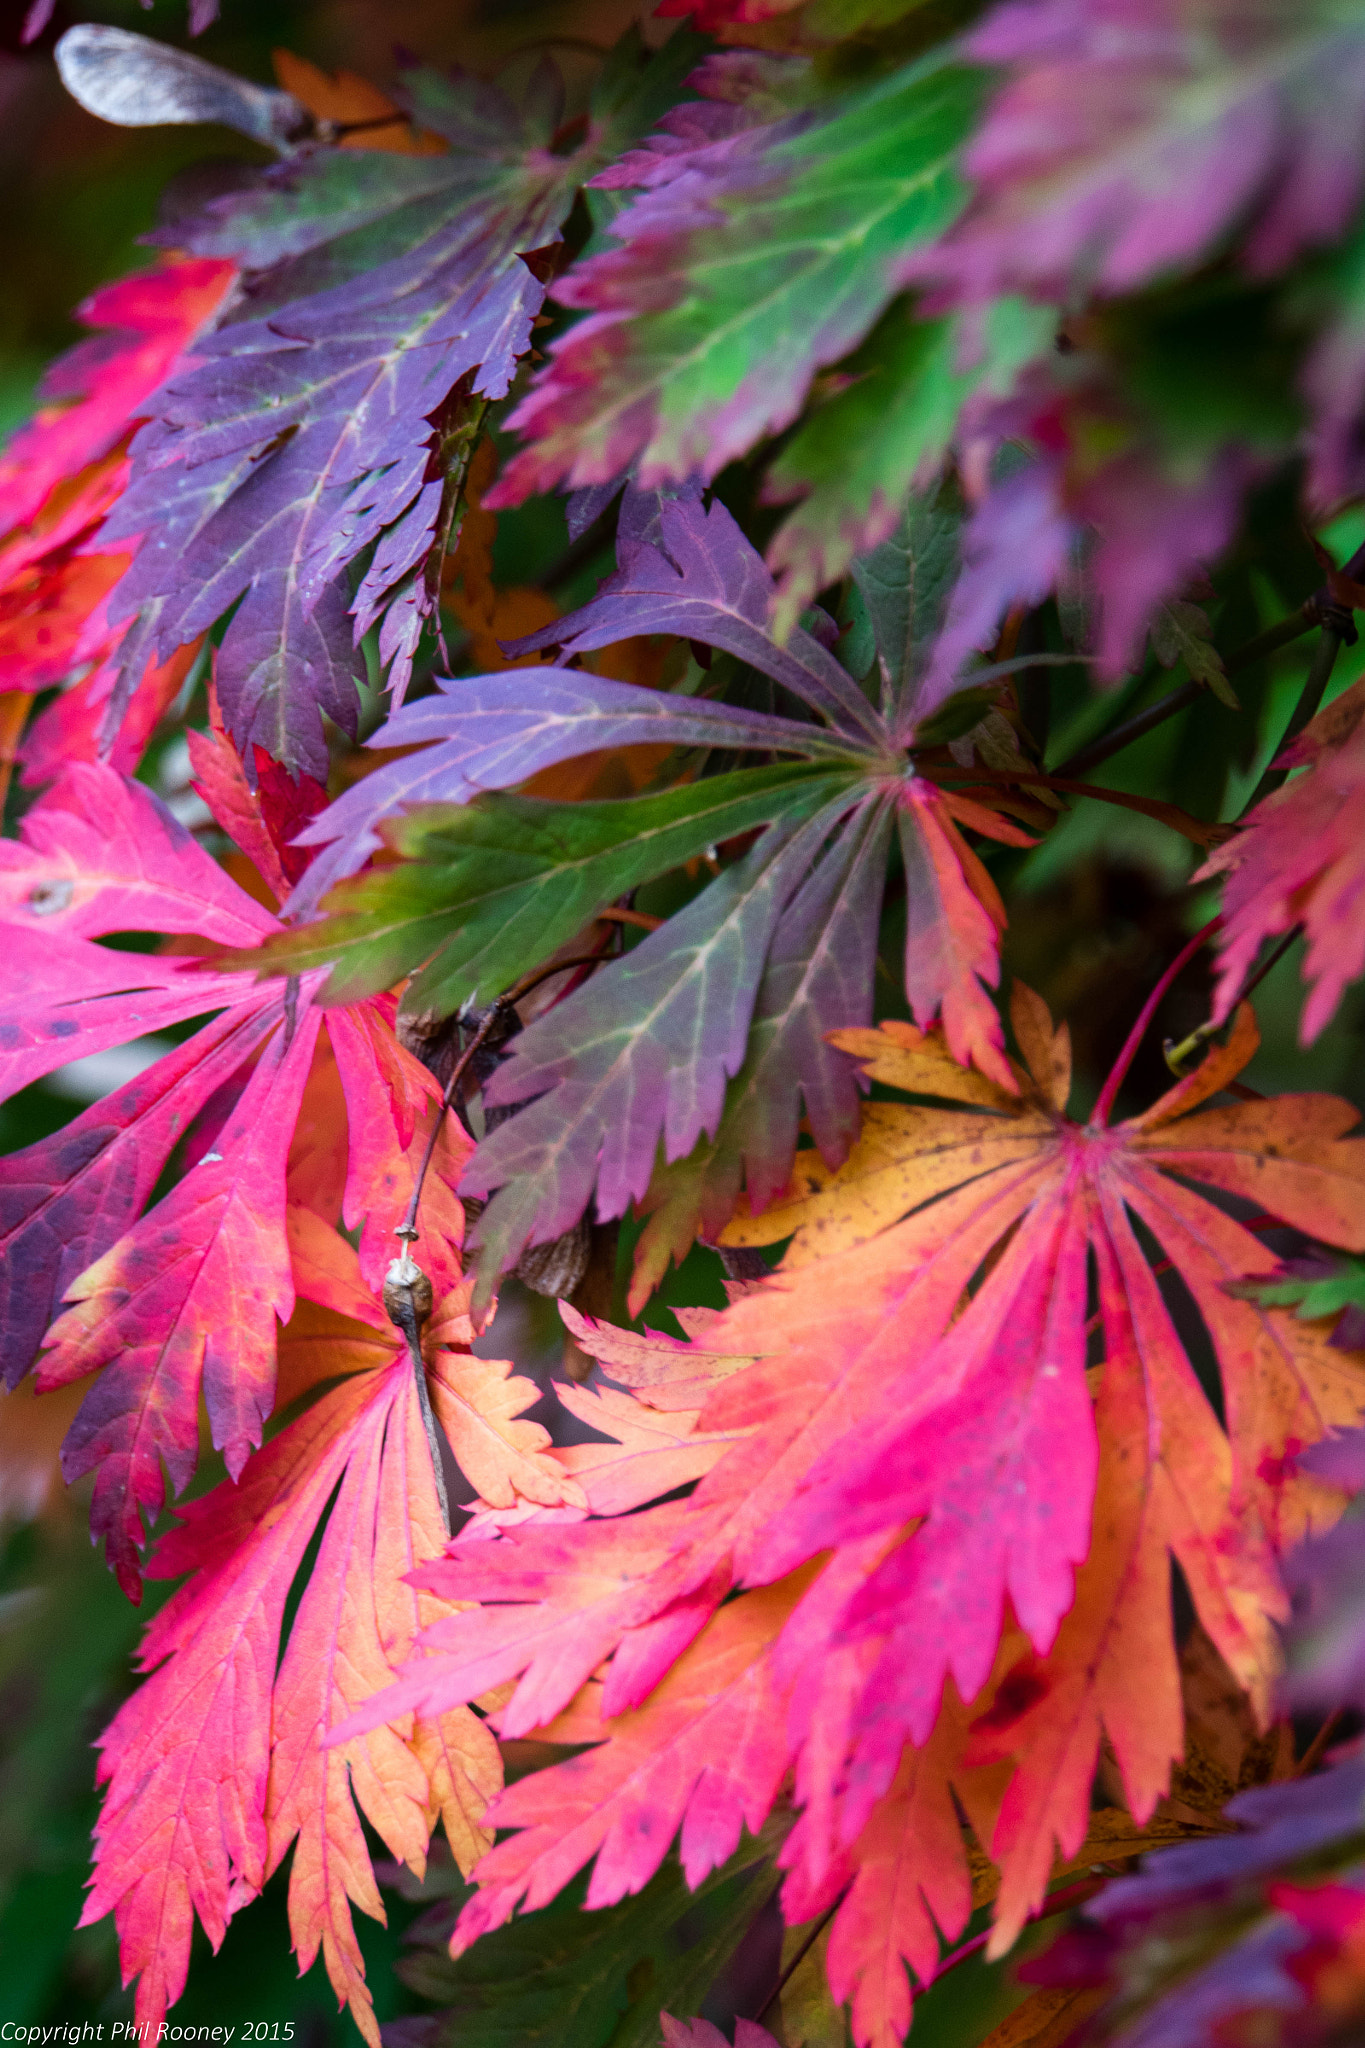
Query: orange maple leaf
{"x": 218, "y": 1763}
{"x": 966, "y": 1406}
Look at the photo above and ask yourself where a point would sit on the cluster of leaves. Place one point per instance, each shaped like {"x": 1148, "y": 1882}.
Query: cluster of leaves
{"x": 861, "y": 1591}
{"x": 1257, "y": 1935}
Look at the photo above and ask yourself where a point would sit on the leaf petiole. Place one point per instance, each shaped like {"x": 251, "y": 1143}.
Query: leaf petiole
{"x": 1179, "y": 1056}
{"x": 1100, "y": 1116}
{"x": 493, "y": 1015}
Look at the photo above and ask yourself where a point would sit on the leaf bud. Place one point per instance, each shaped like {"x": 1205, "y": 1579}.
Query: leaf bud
{"x": 407, "y": 1294}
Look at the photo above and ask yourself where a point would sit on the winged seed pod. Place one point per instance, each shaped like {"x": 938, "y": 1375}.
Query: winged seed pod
{"x": 134, "y": 82}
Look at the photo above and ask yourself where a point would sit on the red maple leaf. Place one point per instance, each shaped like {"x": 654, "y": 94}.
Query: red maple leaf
{"x": 59, "y": 477}
{"x": 292, "y": 1126}
{"x": 1299, "y": 859}
{"x": 217, "y": 1765}
{"x": 96, "y": 390}
{"x": 185, "y": 1298}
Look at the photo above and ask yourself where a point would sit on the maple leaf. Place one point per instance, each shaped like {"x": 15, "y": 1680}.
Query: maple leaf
{"x": 707, "y": 1746}
{"x": 59, "y": 478}
{"x": 1296, "y": 860}
{"x": 992, "y": 1557}
{"x": 701, "y": 2034}
{"x": 93, "y": 394}
{"x": 1264, "y": 1924}
{"x": 1067, "y": 1192}
{"x": 702, "y": 1752}
{"x": 505, "y": 878}
{"x": 882, "y": 431}
{"x": 389, "y": 295}
{"x": 1149, "y": 513}
{"x": 1135, "y": 474}
{"x": 492, "y": 732}
{"x": 223, "y": 1708}
{"x": 749, "y": 262}
{"x": 671, "y": 1025}
{"x": 1132, "y": 141}
{"x": 1333, "y": 375}
{"x": 1257, "y": 1928}
{"x": 146, "y": 1302}
{"x": 145, "y": 1294}
{"x": 151, "y": 1313}
{"x": 779, "y": 947}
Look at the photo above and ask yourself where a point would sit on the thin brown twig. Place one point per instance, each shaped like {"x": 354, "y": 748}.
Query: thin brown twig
{"x": 1310, "y": 613}
{"x": 1134, "y": 728}
{"x": 400, "y": 1297}
{"x": 496, "y": 1010}
{"x": 533, "y": 981}
{"x": 407, "y": 1229}
{"x": 1178, "y": 1057}
{"x": 583, "y": 967}
{"x": 1197, "y": 830}
{"x": 1056, "y": 1902}
{"x": 407, "y": 1289}
{"x": 1332, "y": 608}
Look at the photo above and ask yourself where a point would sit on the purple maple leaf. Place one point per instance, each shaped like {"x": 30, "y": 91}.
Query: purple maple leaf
{"x": 641, "y": 1053}
{"x": 1135, "y": 135}
{"x": 493, "y": 731}
{"x": 686, "y": 570}
{"x": 1188, "y": 1897}
{"x": 1152, "y": 529}
{"x": 754, "y": 255}
{"x": 741, "y": 986}
{"x": 302, "y": 436}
